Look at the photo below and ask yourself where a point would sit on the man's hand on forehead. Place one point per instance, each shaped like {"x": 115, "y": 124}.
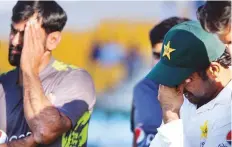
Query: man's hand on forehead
{"x": 176, "y": 89}
{"x": 35, "y": 19}
{"x": 171, "y": 100}
{"x": 33, "y": 49}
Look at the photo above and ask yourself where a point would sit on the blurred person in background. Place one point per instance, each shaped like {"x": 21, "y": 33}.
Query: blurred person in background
{"x": 48, "y": 103}
{"x": 95, "y": 51}
{"x": 146, "y": 114}
{"x": 111, "y": 54}
{"x": 195, "y": 89}
{"x": 215, "y": 17}
{"x": 133, "y": 61}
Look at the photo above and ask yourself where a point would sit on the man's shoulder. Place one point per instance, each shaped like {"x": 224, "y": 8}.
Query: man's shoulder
{"x": 72, "y": 77}
{"x": 10, "y": 75}
{"x": 70, "y": 71}
{"x": 73, "y": 82}
{"x": 79, "y": 75}
{"x": 65, "y": 83}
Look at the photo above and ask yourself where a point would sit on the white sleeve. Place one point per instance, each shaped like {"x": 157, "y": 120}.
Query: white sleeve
{"x": 170, "y": 135}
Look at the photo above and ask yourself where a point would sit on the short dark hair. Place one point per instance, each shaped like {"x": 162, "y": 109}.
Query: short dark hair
{"x": 53, "y": 16}
{"x": 215, "y": 16}
{"x": 158, "y": 32}
{"x": 224, "y": 61}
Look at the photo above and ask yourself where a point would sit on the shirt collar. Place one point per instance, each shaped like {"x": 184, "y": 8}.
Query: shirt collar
{"x": 223, "y": 98}
{"x": 47, "y": 69}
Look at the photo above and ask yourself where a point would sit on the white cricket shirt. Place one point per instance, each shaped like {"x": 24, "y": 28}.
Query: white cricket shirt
{"x": 207, "y": 126}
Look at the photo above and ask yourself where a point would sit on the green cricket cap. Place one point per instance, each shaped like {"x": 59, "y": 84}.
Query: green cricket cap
{"x": 187, "y": 48}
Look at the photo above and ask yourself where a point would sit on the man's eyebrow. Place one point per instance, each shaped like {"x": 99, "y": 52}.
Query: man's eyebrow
{"x": 12, "y": 28}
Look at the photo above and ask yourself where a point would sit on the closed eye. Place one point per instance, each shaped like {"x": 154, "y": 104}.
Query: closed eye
{"x": 15, "y": 31}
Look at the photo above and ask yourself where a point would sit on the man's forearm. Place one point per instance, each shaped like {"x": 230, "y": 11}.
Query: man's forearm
{"x": 34, "y": 99}
{"x": 25, "y": 142}
{"x": 44, "y": 120}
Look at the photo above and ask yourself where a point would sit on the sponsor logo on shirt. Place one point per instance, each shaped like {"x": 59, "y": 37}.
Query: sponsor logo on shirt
{"x": 150, "y": 137}
{"x": 141, "y": 137}
{"x": 228, "y": 138}
{"x": 222, "y": 145}
{"x": 14, "y": 137}
{"x": 202, "y": 144}
{"x": 204, "y": 133}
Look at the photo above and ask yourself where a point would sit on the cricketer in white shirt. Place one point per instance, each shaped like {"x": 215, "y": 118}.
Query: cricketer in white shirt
{"x": 207, "y": 126}
{"x": 193, "y": 63}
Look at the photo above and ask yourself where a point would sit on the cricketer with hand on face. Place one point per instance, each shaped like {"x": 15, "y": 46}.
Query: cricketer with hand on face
{"x": 47, "y": 103}
{"x": 196, "y": 89}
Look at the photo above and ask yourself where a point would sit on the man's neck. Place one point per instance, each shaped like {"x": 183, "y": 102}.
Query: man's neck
{"x": 43, "y": 65}
{"x": 224, "y": 80}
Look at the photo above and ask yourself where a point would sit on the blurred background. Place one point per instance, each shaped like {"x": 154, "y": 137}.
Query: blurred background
{"x": 110, "y": 40}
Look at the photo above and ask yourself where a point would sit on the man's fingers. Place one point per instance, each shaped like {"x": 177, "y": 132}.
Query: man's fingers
{"x": 26, "y": 35}
{"x": 30, "y": 36}
{"x": 34, "y": 33}
{"x": 34, "y": 21}
{"x": 166, "y": 88}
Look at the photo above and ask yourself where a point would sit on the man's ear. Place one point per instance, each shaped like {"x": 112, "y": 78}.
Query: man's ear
{"x": 53, "y": 39}
{"x": 214, "y": 70}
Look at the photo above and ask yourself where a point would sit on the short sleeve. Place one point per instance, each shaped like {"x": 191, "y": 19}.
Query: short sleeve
{"x": 74, "y": 95}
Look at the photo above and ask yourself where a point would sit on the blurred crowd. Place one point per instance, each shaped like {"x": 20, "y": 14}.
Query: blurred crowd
{"x": 113, "y": 58}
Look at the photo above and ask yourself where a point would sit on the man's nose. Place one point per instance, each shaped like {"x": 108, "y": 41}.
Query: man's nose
{"x": 15, "y": 39}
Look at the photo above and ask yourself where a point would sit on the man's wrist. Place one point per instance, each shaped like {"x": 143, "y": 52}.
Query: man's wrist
{"x": 30, "y": 73}
{"x": 169, "y": 116}
{"x": 30, "y": 140}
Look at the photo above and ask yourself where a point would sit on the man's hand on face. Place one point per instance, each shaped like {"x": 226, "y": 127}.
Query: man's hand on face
{"x": 33, "y": 48}
{"x": 171, "y": 100}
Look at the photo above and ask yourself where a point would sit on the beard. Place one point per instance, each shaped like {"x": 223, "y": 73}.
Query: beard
{"x": 14, "y": 55}
{"x": 197, "y": 100}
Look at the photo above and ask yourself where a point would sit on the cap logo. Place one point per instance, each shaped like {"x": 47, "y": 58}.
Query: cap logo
{"x": 168, "y": 50}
